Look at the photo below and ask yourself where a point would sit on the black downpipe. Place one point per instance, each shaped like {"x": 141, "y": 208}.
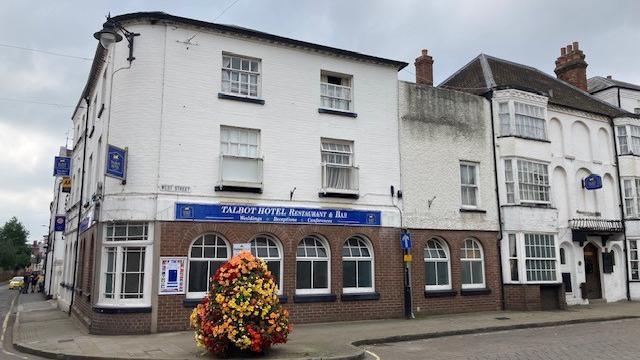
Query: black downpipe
{"x": 489, "y": 97}
{"x": 75, "y": 256}
{"x": 52, "y": 244}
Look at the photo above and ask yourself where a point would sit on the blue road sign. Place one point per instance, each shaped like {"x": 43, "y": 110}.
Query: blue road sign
{"x": 405, "y": 241}
{"x": 62, "y": 166}
{"x": 116, "y": 162}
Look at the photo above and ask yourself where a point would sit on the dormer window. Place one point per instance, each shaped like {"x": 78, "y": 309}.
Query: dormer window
{"x": 522, "y": 120}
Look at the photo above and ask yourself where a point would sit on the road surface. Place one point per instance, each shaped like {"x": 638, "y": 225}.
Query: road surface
{"x": 8, "y": 307}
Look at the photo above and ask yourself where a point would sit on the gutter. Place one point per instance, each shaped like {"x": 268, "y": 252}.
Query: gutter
{"x": 489, "y": 96}
{"x": 84, "y": 154}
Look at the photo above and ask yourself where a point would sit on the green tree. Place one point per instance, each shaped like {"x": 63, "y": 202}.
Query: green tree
{"x": 14, "y": 251}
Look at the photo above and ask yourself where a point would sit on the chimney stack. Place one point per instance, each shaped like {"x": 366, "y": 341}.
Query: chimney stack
{"x": 571, "y": 66}
{"x": 424, "y": 69}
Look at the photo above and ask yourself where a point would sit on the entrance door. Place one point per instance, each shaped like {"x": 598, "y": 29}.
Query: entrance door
{"x": 592, "y": 272}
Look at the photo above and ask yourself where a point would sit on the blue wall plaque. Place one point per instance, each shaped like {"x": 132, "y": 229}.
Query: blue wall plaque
{"x": 592, "y": 182}
{"x": 60, "y": 222}
{"x": 276, "y": 214}
{"x": 116, "y": 162}
{"x": 62, "y": 166}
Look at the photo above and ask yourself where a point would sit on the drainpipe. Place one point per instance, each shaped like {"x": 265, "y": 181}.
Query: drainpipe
{"x": 489, "y": 97}
{"x": 84, "y": 154}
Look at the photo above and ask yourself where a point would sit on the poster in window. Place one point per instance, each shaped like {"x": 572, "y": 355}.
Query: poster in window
{"x": 172, "y": 275}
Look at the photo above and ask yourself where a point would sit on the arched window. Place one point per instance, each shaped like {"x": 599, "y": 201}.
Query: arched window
{"x": 357, "y": 266}
{"x": 472, "y": 264}
{"x": 437, "y": 266}
{"x": 268, "y": 249}
{"x": 207, "y": 253}
{"x": 312, "y": 266}
{"x": 563, "y": 260}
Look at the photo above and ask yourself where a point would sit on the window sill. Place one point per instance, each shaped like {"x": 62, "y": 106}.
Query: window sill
{"x": 341, "y": 195}
{"x": 480, "y": 211}
{"x": 244, "y": 189}
{"x": 240, "y": 98}
{"x": 439, "y": 293}
{"x": 479, "y": 291}
{"x": 314, "y": 298}
{"x": 337, "y": 112}
{"x": 191, "y": 302}
{"x": 531, "y": 205}
{"x": 360, "y": 296}
{"x": 524, "y": 138}
{"x": 122, "y": 310}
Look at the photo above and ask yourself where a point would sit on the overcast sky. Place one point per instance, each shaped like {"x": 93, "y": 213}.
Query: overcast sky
{"x": 530, "y": 32}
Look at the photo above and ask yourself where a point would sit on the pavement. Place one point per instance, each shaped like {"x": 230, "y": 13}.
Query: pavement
{"x": 43, "y": 330}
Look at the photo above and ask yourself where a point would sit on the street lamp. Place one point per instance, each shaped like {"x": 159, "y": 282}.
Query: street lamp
{"x": 109, "y": 35}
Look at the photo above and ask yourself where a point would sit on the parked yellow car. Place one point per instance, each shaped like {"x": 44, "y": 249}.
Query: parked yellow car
{"x": 17, "y": 282}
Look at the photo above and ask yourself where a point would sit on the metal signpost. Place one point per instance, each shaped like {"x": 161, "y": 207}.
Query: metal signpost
{"x": 405, "y": 243}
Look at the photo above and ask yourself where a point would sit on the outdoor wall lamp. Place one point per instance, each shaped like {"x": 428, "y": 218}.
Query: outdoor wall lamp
{"x": 109, "y": 35}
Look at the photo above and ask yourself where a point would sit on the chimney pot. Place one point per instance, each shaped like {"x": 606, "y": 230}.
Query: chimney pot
{"x": 571, "y": 67}
{"x": 569, "y": 48}
{"x": 424, "y": 68}
{"x": 563, "y": 51}
{"x": 575, "y": 46}
{"x": 609, "y": 77}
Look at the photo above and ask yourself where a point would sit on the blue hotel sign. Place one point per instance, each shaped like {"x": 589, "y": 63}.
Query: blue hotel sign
{"x": 62, "y": 166}
{"x": 276, "y": 214}
{"x": 116, "y": 162}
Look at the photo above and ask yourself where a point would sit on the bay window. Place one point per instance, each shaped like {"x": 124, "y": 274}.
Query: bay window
{"x": 628, "y": 139}
{"x": 240, "y": 75}
{"x": 631, "y": 194}
{"x": 634, "y": 259}
{"x": 540, "y": 257}
{"x": 526, "y": 181}
{"x": 126, "y": 264}
{"x": 522, "y": 119}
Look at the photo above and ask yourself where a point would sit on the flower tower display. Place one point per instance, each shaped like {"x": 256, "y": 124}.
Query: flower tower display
{"x": 242, "y": 310}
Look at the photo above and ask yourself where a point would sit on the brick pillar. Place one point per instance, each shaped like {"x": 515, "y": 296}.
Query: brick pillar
{"x": 424, "y": 69}
{"x": 571, "y": 67}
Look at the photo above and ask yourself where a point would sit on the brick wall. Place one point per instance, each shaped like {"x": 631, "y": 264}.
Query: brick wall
{"x": 521, "y": 297}
{"x": 457, "y": 302}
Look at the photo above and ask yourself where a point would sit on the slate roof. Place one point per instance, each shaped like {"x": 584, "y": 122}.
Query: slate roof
{"x": 600, "y": 83}
{"x": 485, "y": 73}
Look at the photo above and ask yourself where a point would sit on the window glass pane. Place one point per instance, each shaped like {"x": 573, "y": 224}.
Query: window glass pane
{"x": 349, "y": 274}
{"x": 131, "y": 283}
{"x": 364, "y": 273}
{"x": 213, "y": 267}
{"x": 513, "y": 263}
{"x": 443, "y": 272}
{"x": 274, "y": 267}
{"x": 132, "y": 261}
{"x": 303, "y": 275}
{"x": 476, "y": 269}
{"x": 430, "y": 273}
{"x": 198, "y": 276}
{"x": 466, "y": 272}
{"x": 320, "y": 279}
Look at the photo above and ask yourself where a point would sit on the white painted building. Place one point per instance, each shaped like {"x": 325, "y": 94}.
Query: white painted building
{"x": 211, "y": 115}
{"x": 55, "y": 243}
{"x": 550, "y": 136}
{"x": 627, "y": 97}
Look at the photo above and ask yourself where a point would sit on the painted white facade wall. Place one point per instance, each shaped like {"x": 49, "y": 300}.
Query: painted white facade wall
{"x": 55, "y": 255}
{"x": 629, "y": 99}
{"x": 439, "y": 128}
{"x": 579, "y": 144}
{"x": 166, "y": 110}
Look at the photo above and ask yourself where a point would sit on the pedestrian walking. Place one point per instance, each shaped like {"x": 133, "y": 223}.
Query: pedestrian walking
{"x": 34, "y": 282}
{"x": 26, "y": 283}
{"x": 40, "y": 283}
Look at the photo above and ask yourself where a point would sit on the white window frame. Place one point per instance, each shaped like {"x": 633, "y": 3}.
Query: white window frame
{"x": 249, "y": 72}
{"x": 476, "y": 186}
{"x": 226, "y": 141}
{"x": 555, "y": 259}
{"x": 353, "y": 170}
{"x": 631, "y": 135}
{"x": 481, "y": 260}
{"x": 356, "y": 259}
{"x": 119, "y": 243}
{"x": 202, "y": 294}
{"x": 508, "y": 112}
{"x": 313, "y": 291}
{"x": 445, "y": 247}
{"x": 634, "y": 251}
{"x": 512, "y": 237}
{"x": 511, "y": 176}
{"x": 324, "y": 90}
{"x": 631, "y": 196}
{"x": 279, "y": 258}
